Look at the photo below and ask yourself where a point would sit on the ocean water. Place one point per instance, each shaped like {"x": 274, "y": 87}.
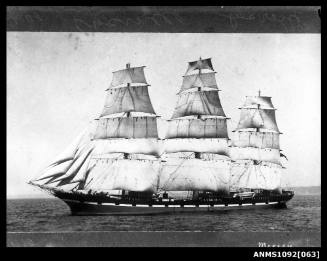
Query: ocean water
{"x": 303, "y": 214}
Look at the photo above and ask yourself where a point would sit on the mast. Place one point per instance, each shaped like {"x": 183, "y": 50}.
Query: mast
{"x": 199, "y": 88}
{"x": 121, "y": 151}
{"x": 255, "y": 145}
{"x": 128, "y": 114}
{"x": 258, "y": 128}
{"x": 196, "y": 144}
{"x": 135, "y": 136}
{"x": 198, "y": 113}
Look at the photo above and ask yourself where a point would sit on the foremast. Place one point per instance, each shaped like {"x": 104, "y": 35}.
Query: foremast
{"x": 127, "y": 146}
{"x": 255, "y": 146}
{"x": 196, "y": 144}
{"x": 121, "y": 152}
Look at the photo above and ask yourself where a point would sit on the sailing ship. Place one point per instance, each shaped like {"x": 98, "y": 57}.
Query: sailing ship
{"x": 119, "y": 164}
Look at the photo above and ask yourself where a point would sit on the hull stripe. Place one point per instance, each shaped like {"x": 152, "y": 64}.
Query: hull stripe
{"x": 171, "y": 206}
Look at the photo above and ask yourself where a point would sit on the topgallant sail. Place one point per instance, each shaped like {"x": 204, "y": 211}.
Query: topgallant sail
{"x": 119, "y": 165}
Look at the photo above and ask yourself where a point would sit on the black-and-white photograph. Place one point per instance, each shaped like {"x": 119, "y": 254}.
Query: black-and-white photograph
{"x": 164, "y": 132}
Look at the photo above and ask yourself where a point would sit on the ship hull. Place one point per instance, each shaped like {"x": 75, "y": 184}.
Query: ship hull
{"x": 91, "y": 208}
{"x": 97, "y": 207}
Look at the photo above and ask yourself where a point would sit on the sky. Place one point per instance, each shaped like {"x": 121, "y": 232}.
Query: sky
{"x": 56, "y": 86}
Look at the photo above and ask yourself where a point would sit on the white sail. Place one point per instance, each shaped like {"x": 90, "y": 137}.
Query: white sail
{"x": 199, "y": 64}
{"x": 55, "y": 170}
{"x": 143, "y": 146}
{"x": 83, "y": 170}
{"x": 203, "y": 80}
{"x": 127, "y": 99}
{"x": 194, "y": 174}
{"x": 198, "y": 103}
{"x": 76, "y": 166}
{"x": 197, "y": 128}
{"x": 64, "y": 160}
{"x": 261, "y": 176}
{"x": 214, "y": 145}
{"x": 128, "y": 75}
{"x": 258, "y": 118}
{"x": 133, "y": 175}
{"x": 127, "y": 127}
{"x": 264, "y": 102}
{"x": 256, "y": 139}
{"x": 269, "y": 155}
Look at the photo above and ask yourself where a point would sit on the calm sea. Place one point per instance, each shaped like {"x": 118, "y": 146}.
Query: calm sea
{"x": 303, "y": 214}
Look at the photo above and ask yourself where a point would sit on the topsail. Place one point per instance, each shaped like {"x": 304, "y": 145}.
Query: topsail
{"x": 127, "y": 99}
{"x": 203, "y": 80}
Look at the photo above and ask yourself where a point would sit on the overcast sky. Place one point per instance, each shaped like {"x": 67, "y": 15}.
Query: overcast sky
{"x": 56, "y": 85}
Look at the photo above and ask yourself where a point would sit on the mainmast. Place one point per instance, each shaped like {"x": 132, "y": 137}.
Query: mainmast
{"x": 128, "y": 65}
{"x": 198, "y": 113}
{"x": 196, "y": 144}
{"x": 255, "y": 147}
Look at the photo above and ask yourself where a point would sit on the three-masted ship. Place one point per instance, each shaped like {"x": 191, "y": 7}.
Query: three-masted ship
{"x": 119, "y": 165}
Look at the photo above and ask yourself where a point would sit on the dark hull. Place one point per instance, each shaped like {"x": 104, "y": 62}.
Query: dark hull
{"x": 108, "y": 206}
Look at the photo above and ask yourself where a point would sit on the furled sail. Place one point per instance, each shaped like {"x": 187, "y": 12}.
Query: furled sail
{"x": 203, "y": 80}
{"x": 255, "y": 176}
{"x": 198, "y": 103}
{"x": 256, "y": 139}
{"x": 199, "y": 64}
{"x": 194, "y": 174}
{"x": 127, "y": 99}
{"x": 134, "y": 175}
{"x": 127, "y": 127}
{"x": 128, "y": 75}
{"x": 197, "y": 128}
{"x": 258, "y": 118}
{"x": 213, "y": 145}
